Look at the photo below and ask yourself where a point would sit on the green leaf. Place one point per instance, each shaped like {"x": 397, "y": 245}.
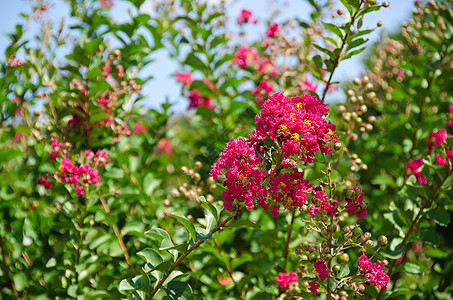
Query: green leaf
{"x": 356, "y": 43}
{"x": 20, "y": 281}
{"x": 209, "y": 207}
{"x": 164, "y": 267}
{"x": 92, "y": 47}
{"x": 98, "y": 117}
{"x": 334, "y": 29}
{"x": 8, "y": 154}
{"x": 162, "y": 236}
{"x": 324, "y": 50}
{"x": 131, "y": 284}
{"x": 196, "y": 63}
{"x": 344, "y": 270}
{"x": 359, "y": 33}
{"x": 412, "y": 268}
{"x": 99, "y": 87}
{"x": 352, "y": 53}
{"x": 368, "y": 10}
{"x": 187, "y": 224}
{"x": 347, "y": 5}
{"x": 220, "y": 39}
{"x": 178, "y": 290}
{"x": 440, "y": 216}
{"x": 430, "y": 237}
{"x": 203, "y": 88}
{"x": 151, "y": 256}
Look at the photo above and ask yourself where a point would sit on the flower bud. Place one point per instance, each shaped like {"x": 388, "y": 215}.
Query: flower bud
{"x": 357, "y": 231}
{"x": 369, "y": 244}
{"x": 333, "y": 228}
{"x": 198, "y": 164}
{"x": 304, "y": 257}
{"x": 337, "y": 146}
{"x": 358, "y": 191}
{"x": 379, "y": 24}
{"x": 385, "y": 4}
{"x": 336, "y": 269}
{"x": 382, "y": 241}
{"x": 343, "y": 258}
{"x": 325, "y": 218}
{"x": 313, "y": 256}
{"x": 367, "y": 235}
{"x": 357, "y": 81}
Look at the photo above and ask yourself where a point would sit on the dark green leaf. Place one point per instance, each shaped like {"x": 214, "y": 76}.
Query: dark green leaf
{"x": 187, "y": 224}
{"x": 178, "y": 290}
{"x": 440, "y": 216}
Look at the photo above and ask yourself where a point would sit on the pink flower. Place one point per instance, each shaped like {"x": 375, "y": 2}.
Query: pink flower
{"x": 321, "y": 269}
{"x": 436, "y": 138}
{"x": 184, "y": 77}
{"x": 374, "y": 272}
{"x": 284, "y": 279}
{"x": 106, "y": 3}
{"x": 139, "y": 128}
{"x": 297, "y": 124}
{"x": 308, "y": 85}
{"x": 267, "y": 67}
{"x": 245, "y": 57}
{"x": 196, "y": 100}
{"x": 246, "y": 16}
{"x": 440, "y": 160}
{"x": 262, "y": 90}
{"x": 238, "y": 163}
{"x": 79, "y": 190}
{"x": 355, "y": 203}
{"x": 165, "y": 146}
{"x": 272, "y": 30}
{"x": 412, "y": 168}
{"x": 223, "y": 279}
{"x": 313, "y": 287}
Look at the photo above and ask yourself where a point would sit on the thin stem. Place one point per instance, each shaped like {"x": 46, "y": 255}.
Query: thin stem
{"x": 118, "y": 234}
{"x": 194, "y": 246}
{"x": 288, "y": 240}
{"x": 337, "y": 59}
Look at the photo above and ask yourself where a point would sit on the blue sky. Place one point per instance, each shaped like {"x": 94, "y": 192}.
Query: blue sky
{"x": 163, "y": 85}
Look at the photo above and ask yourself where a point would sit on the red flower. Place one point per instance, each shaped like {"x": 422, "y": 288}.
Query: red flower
{"x": 184, "y": 77}
{"x": 272, "y": 30}
{"x": 284, "y": 279}
{"x": 246, "y": 16}
{"x": 412, "y": 168}
{"x": 436, "y": 138}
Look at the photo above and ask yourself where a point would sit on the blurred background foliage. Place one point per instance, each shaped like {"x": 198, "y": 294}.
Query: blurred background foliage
{"x": 56, "y": 244}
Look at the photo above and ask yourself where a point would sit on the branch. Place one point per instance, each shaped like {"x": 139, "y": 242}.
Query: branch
{"x": 194, "y": 246}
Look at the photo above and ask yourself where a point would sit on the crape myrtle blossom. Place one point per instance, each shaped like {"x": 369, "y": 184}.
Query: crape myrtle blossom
{"x": 272, "y": 30}
{"x": 412, "y": 168}
{"x": 184, "y": 77}
{"x": 436, "y": 138}
{"x": 243, "y": 176}
{"x": 245, "y": 56}
{"x": 246, "y": 16}
{"x": 374, "y": 272}
{"x": 297, "y": 124}
{"x": 80, "y": 174}
{"x": 262, "y": 90}
{"x": 298, "y": 128}
{"x": 285, "y": 279}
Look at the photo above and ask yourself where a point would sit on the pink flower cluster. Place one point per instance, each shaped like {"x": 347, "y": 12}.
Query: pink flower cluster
{"x": 243, "y": 176}
{"x": 355, "y": 202}
{"x": 374, "y": 272}
{"x": 284, "y": 279}
{"x": 262, "y": 91}
{"x": 436, "y": 138}
{"x": 321, "y": 269}
{"x": 245, "y": 56}
{"x": 297, "y": 124}
{"x": 290, "y": 189}
{"x": 184, "y": 77}
{"x": 80, "y": 174}
{"x": 246, "y": 16}
{"x": 412, "y": 168}
{"x": 298, "y": 128}
{"x": 106, "y": 3}
{"x": 195, "y": 97}
{"x": 272, "y": 30}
